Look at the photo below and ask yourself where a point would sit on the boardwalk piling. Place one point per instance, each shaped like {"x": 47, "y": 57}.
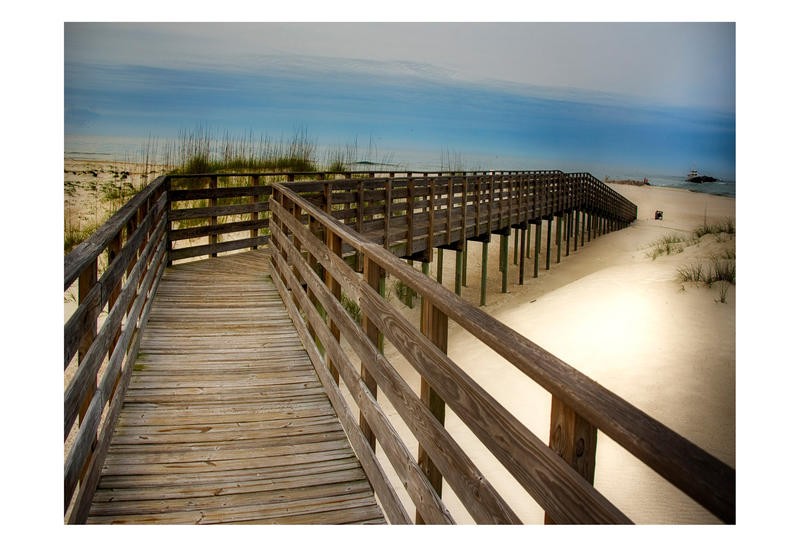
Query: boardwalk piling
{"x": 504, "y": 259}
{"x": 464, "y": 264}
{"x": 484, "y": 268}
{"x": 558, "y": 239}
{"x": 522, "y": 241}
{"x": 538, "y": 249}
{"x": 458, "y": 271}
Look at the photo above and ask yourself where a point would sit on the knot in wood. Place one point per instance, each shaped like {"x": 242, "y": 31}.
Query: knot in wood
{"x": 557, "y": 440}
{"x": 579, "y": 447}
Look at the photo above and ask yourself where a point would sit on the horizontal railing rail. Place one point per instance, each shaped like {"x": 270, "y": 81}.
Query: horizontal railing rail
{"x": 312, "y": 277}
{"x": 112, "y": 277}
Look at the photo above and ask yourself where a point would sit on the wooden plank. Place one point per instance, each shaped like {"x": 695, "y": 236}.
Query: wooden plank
{"x": 218, "y": 193}
{"x": 190, "y": 252}
{"x": 228, "y": 442}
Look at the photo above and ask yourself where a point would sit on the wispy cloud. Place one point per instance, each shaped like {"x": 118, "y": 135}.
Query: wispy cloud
{"x": 238, "y": 80}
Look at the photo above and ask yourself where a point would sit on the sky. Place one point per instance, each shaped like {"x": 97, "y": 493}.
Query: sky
{"x": 621, "y": 98}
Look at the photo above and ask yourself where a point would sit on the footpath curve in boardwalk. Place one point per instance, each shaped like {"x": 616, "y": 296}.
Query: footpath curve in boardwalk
{"x": 225, "y": 420}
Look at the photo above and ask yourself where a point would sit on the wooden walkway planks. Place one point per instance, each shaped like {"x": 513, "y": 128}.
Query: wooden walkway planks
{"x": 225, "y": 420}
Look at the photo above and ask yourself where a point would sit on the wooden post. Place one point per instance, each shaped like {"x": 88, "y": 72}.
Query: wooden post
{"x": 568, "y": 227}
{"x": 254, "y": 215}
{"x": 113, "y": 250}
{"x": 538, "y": 249}
{"x": 574, "y": 439}
{"x": 558, "y": 239}
{"x": 528, "y": 243}
{"x": 87, "y": 280}
{"x": 334, "y": 243}
{"x": 459, "y": 271}
{"x": 484, "y": 268}
{"x": 439, "y": 265}
{"x": 376, "y": 278}
{"x": 409, "y": 294}
{"x": 426, "y": 269}
{"x": 465, "y": 244}
{"x": 575, "y": 235}
{"x": 504, "y": 260}
{"x": 583, "y": 227}
{"x": 410, "y": 216}
{"x": 212, "y": 237}
{"x": 549, "y": 240}
{"x": 516, "y": 244}
{"x": 431, "y": 217}
{"x": 434, "y": 327}
{"x": 522, "y": 254}
{"x": 387, "y": 213}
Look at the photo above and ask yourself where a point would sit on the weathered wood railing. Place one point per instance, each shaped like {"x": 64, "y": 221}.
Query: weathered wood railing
{"x": 115, "y": 273}
{"x": 432, "y": 210}
{"x": 312, "y": 277}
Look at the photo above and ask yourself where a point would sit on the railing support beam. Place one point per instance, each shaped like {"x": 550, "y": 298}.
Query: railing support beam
{"x": 434, "y": 327}
{"x": 574, "y": 439}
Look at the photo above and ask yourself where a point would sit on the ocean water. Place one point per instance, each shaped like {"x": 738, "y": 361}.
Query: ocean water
{"x": 720, "y": 188}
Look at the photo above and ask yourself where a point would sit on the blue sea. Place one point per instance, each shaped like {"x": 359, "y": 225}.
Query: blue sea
{"x": 416, "y": 122}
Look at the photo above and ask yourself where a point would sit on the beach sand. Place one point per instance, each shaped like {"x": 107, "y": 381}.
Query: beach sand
{"x": 609, "y": 310}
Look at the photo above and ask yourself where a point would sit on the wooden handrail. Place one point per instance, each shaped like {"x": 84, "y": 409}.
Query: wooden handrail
{"x": 89, "y": 249}
{"x": 117, "y": 268}
{"x": 706, "y": 479}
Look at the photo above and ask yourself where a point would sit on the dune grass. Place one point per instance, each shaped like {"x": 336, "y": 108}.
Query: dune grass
{"x": 201, "y": 152}
{"x": 726, "y": 226}
{"x": 667, "y": 245}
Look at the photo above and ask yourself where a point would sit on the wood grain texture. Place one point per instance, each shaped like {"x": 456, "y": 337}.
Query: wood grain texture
{"x": 224, "y": 419}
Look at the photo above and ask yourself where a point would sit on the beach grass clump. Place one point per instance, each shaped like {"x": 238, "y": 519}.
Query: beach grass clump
{"x": 352, "y": 308}
{"x": 709, "y": 272}
{"x": 74, "y": 235}
{"x": 726, "y": 226}
{"x": 723, "y": 293}
{"x": 201, "y": 152}
{"x": 721, "y": 270}
{"x": 404, "y": 293}
{"x": 339, "y": 158}
{"x": 691, "y": 273}
{"x": 667, "y": 245}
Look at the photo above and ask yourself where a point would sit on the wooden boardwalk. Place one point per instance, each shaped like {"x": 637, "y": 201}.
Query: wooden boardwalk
{"x": 225, "y": 419}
